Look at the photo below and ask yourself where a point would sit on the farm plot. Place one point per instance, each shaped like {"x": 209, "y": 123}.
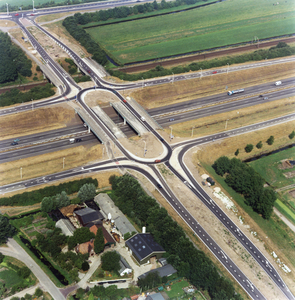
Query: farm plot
{"x": 218, "y": 25}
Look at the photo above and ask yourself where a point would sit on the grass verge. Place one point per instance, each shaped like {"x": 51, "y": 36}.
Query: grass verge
{"x": 286, "y": 211}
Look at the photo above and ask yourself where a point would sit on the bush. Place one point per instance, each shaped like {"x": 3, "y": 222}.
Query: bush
{"x": 259, "y": 145}
{"x": 85, "y": 266}
{"x": 1, "y": 257}
{"x": 237, "y": 152}
{"x": 249, "y": 148}
{"x": 38, "y": 68}
{"x": 270, "y": 140}
{"x": 291, "y": 135}
{"x": 38, "y": 292}
{"x": 35, "y": 78}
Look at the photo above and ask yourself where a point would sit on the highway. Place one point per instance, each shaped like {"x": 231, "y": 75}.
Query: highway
{"x": 68, "y": 83}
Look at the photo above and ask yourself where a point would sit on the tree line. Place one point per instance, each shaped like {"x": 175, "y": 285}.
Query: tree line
{"x": 13, "y": 60}
{"x": 30, "y": 198}
{"x": 246, "y": 181}
{"x": 16, "y": 96}
{"x": 189, "y": 262}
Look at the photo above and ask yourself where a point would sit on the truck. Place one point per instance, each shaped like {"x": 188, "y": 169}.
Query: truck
{"x": 235, "y": 92}
{"x": 278, "y": 83}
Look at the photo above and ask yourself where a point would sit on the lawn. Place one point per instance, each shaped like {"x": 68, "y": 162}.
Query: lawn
{"x": 268, "y": 168}
{"x": 220, "y": 24}
{"x": 176, "y": 289}
{"x": 10, "y": 278}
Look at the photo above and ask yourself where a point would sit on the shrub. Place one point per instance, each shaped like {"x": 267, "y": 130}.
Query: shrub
{"x": 259, "y": 145}
{"x": 237, "y": 152}
{"x": 291, "y": 135}
{"x": 270, "y": 140}
{"x": 85, "y": 266}
{"x": 249, "y": 148}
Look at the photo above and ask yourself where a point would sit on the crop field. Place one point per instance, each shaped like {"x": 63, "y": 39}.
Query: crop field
{"x": 224, "y": 23}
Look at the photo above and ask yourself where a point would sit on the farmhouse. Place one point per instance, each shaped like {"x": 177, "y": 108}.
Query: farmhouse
{"x": 143, "y": 247}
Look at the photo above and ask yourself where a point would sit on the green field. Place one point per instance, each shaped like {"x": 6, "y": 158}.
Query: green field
{"x": 26, "y": 2}
{"x": 268, "y": 168}
{"x": 220, "y": 24}
{"x": 288, "y": 213}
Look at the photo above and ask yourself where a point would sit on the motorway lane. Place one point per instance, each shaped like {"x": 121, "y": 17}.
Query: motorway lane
{"x": 41, "y": 136}
{"x": 44, "y": 148}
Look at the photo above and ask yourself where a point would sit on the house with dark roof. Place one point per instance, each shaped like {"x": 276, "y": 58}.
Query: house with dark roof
{"x": 88, "y": 215}
{"x": 142, "y": 246}
{"x": 156, "y": 296}
{"x": 166, "y": 270}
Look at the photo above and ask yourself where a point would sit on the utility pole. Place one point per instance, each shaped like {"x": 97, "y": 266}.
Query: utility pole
{"x": 32, "y": 105}
{"x": 227, "y": 68}
{"x": 226, "y": 124}
{"x": 21, "y": 173}
{"x": 201, "y": 73}
{"x": 170, "y": 133}
{"x": 142, "y": 82}
{"x": 7, "y": 9}
{"x": 63, "y": 163}
{"x": 193, "y": 131}
{"x": 172, "y": 77}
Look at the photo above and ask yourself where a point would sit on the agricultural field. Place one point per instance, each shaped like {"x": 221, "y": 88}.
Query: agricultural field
{"x": 221, "y": 24}
{"x": 276, "y": 169}
{"x": 27, "y": 2}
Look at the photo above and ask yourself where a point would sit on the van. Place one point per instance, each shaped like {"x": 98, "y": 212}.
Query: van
{"x": 142, "y": 119}
{"x": 72, "y": 141}
{"x": 278, "y": 83}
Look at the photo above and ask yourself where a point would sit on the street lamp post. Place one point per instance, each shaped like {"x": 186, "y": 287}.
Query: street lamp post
{"x": 7, "y": 9}
{"x": 33, "y": 6}
{"x": 63, "y": 162}
{"x": 227, "y": 68}
{"x": 32, "y": 105}
{"x": 193, "y": 131}
{"x": 21, "y": 173}
{"x": 226, "y": 124}
{"x": 142, "y": 82}
{"x": 172, "y": 77}
{"x": 170, "y": 133}
{"x": 201, "y": 73}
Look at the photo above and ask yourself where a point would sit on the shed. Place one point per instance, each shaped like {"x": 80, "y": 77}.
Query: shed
{"x": 142, "y": 246}
{"x": 88, "y": 215}
{"x": 66, "y": 227}
{"x": 125, "y": 268}
{"x": 156, "y": 296}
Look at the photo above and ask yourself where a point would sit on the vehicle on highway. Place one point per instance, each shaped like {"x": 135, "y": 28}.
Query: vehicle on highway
{"x": 142, "y": 119}
{"x": 172, "y": 119}
{"x": 85, "y": 125}
{"x": 278, "y": 83}
{"x": 161, "y": 139}
{"x": 235, "y": 91}
{"x": 214, "y": 72}
{"x": 72, "y": 141}
{"x": 16, "y": 15}
{"x": 32, "y": 15}
{"x": 78, "y": 140}
{"x": 260, "y": 95}
{"x": 159, "y": 185}
{"x": 265, "y": 98}
{"x": 157, "y": 160}
{"x": 16, "y": 140}
{"x": 88, "y": 71}
{"x": 124, "y": 100}
{"x": 14, "y": 143}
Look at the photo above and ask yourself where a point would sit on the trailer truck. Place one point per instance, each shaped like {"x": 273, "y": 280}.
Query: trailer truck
{"x": 236, "y": 91}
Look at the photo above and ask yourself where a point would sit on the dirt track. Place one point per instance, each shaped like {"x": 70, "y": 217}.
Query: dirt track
{"x": 191, "y": 58}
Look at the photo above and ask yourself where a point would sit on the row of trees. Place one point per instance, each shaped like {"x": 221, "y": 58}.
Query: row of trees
{"x": 125, "y": 11}
{"x": 86, "y": 192}
{"x": 246, "y": 181}
{"x": 281, "y": 50}
{"x": 16, "y": 96}
{"x": 7, "y": 230}
{"x": 30, "y": 198}
{"x": 181, "y": 253}
{"x": 13, "y": 60}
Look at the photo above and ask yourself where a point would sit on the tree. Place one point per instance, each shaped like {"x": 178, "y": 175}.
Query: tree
{"x": 24, "y": 272}
{"x": 270, "y": 140}
{"x": 85, "y": 266}
{"x": 249, "y": 148}
{"x": 62, "y": 200}
{"x": 221, "y": 165}
{"x": 7, "y": 230}
{"x": 87, "y": 192}
{"x": 99, "y": 241}
{"x": 47, "y": 204}
{"x": 259, "y": 145}
{"x": 38, "y": 292}
{"x": 237, "y": 152}
{"x": 80, "y": 236}
{"x": 291, "y": 135}
{"x": 110, "y": 261}
{"x": 1, "y": 257}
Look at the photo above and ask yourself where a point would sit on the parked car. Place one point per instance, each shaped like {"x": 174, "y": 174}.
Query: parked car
{"x": 14, "y": 143}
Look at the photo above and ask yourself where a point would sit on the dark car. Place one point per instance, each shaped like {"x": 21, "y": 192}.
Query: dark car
{"x": 260, "y": 95}
{"x": 14, "y": 143}
{"x": 161, "y": 139}
{"x": 78, "y": 140}
{"x": 159, "y": 185}
{"x": 88, "y": 71}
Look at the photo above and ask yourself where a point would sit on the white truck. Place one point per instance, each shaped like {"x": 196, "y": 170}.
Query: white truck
{"x": 72, "y": 141}
{"x": 278, "y": 83}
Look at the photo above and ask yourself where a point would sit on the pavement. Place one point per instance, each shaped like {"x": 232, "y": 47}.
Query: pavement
{"x": 30, "y": 291}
